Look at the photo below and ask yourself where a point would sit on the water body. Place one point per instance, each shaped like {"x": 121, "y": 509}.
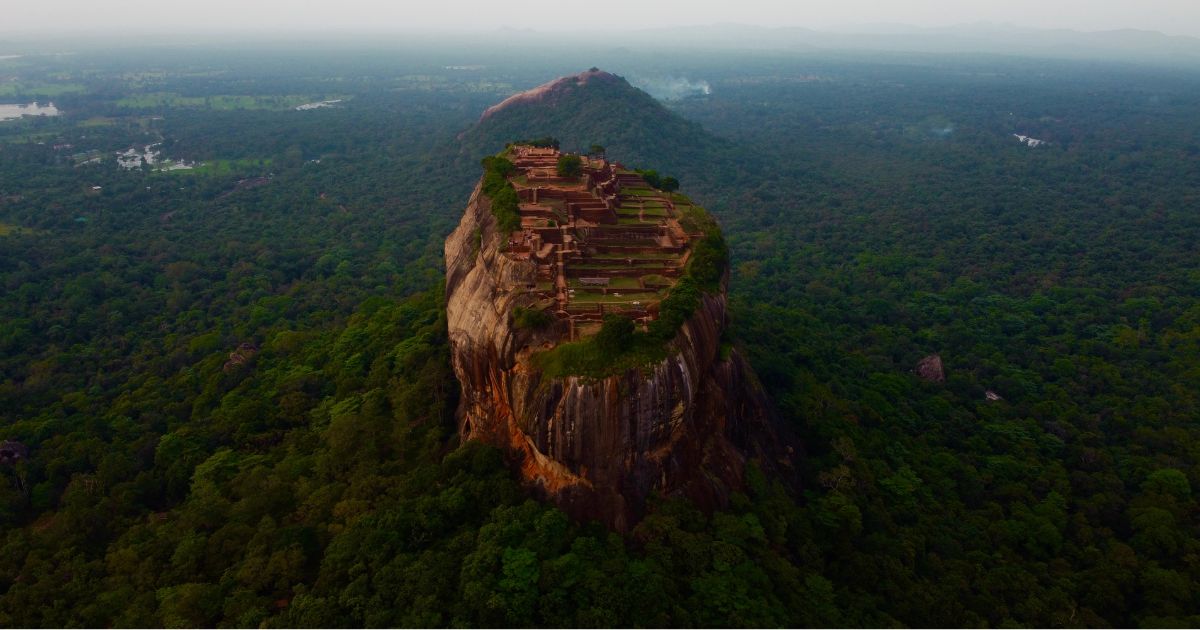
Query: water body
{"x": 9, "y": 111}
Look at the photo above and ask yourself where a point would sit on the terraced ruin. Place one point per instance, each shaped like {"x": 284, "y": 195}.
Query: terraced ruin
{"x": 603, "y": 242}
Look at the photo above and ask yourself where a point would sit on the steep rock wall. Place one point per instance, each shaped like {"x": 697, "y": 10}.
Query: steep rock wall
{"x": 600, "y": 447}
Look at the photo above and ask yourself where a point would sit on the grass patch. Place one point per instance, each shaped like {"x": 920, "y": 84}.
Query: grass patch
{"x": 220, "y": 102}
{"x": 85, "y": 157}
{"x": 48, "y": 90}
{"x": 642, "y": 255}
{"x": 98, "y": 121}
{"x": 613, "y": 283}
{"x": 634, "y": 211}
{"x": 584, "y": 299}
{"x": 218, "y": 167}
{"x": 8, "y": 229}
{"x": 618, "y": 264}
{"x": 24, "y": 138}
{"x": 655, "y": 280}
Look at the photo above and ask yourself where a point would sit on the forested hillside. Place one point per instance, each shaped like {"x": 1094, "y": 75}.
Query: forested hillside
{"x": 229, "y": 390}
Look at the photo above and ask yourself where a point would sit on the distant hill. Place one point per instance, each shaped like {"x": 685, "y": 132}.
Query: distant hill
{"x": 597, "y": 107}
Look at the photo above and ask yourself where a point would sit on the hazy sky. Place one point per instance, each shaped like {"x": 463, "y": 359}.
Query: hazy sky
{"x": 1175, "y": 17}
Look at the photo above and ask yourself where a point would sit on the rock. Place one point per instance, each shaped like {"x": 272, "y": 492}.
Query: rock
{"x": 239, "y": 357}
{"x": 930, "y": 369}
{"x": 12, "y": 452}
{"x": 599, "y": 448}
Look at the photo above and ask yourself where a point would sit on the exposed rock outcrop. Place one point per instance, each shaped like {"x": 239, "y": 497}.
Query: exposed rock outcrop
{"x": 244, "y": 353}
{"x": 930, "y": 369}
{"x": 600, "y": 448}
{"x": 552, "y": 91}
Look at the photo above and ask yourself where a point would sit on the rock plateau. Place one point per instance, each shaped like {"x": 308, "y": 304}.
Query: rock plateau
{"x": 686, "y": 425}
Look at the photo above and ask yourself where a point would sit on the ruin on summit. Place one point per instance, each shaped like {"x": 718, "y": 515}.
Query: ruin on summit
{"x": 604, "y": 242}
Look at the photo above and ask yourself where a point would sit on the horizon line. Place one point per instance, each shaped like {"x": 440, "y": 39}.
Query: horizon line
{"x": 857, "y": 28}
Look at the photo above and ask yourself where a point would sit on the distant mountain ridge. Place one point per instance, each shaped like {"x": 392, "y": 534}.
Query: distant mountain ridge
{"x": 1128, "y": 44}
{"x": 981, "y": 37}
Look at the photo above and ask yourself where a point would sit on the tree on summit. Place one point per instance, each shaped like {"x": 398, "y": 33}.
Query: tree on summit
{"x": 651, "y": 176}
{"x": 658, "y": 181}
{"x": 545, "y": 142}
{"x": 570, "y": 166}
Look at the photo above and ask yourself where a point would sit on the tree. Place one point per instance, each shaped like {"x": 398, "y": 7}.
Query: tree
{"x": 616, "y": 333}
{"x": 570, "y": 165}
{"x": 545, "y": 142}
{"x": 651, "y": 176}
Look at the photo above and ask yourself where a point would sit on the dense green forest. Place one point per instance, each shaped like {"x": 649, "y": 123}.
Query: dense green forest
{"x": 232, "y": 380}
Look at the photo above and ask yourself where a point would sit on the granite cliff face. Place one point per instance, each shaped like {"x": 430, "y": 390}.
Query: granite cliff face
{"x": 600, "y": 447}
